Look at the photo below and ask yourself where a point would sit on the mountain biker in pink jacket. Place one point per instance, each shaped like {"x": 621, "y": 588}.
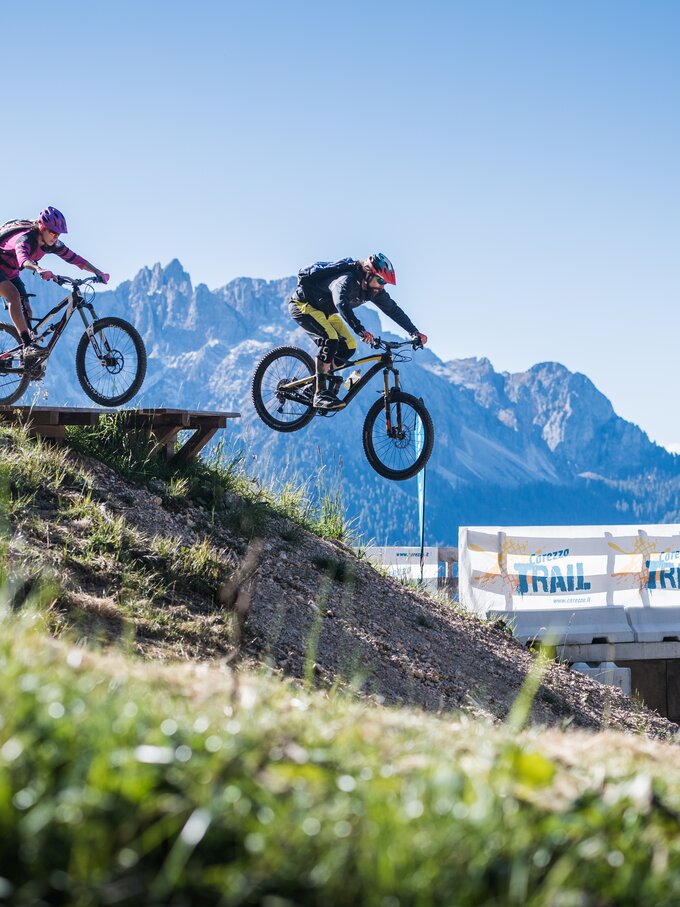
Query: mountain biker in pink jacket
{"x": 323, "y": 304}
{"x": 24, "y": 249}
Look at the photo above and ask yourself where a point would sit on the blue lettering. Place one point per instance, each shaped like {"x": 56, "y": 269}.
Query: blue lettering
{"x": 581, "y": 583}
{"x": 557, "y": 583}
{"x": 669, "y": 575}
{"x": 570, "y": 577}
{"x": 540, "y": 575}
{"x": 651, "y": 581}
{"x": 522, "y": 573}
{"x": 538, "y": 579}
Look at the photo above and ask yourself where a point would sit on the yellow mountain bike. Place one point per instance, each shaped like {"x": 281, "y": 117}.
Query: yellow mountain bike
{"x": 398, "y": 432}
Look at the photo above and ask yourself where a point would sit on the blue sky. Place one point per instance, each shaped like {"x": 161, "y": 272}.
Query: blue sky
{"x": 517, "y": 160}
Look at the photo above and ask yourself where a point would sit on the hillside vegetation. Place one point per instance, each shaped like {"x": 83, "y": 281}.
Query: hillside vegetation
{"x": 207, "y": 698}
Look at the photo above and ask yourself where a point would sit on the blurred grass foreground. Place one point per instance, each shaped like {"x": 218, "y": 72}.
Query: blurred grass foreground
{"x": 130, "y": 783}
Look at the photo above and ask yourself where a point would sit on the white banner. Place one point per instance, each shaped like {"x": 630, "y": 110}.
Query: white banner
{"x": 405, "y": 561}
{"x": 523, "y": 568}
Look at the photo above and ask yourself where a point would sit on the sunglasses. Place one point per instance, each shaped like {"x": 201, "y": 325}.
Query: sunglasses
{"x": 380, "y": 280}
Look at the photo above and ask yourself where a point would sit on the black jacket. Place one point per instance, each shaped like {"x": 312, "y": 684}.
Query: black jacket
{"x": 344, "y": 293}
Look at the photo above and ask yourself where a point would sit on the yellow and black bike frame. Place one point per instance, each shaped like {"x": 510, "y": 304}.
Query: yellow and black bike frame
{"x": 382, "y": 362}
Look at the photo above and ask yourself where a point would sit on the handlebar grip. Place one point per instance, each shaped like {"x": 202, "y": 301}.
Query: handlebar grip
{"x": 375, "y": 343}
{"x": 417, "y": 343}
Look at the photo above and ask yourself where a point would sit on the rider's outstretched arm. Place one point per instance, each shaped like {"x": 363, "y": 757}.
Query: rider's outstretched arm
{"x": 387, "y": 305}
{"x": 74, "y": 259}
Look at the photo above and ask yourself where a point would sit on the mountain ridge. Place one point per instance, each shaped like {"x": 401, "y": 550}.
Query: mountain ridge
{"x": 539, "y": 446}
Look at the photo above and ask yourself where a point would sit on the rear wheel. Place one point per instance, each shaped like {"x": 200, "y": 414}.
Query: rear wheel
{"x": 398, "y": 439}
{"x": 13, "y": 379}
{"x": 281, "y": 409}
{"x": 112, "y": 364}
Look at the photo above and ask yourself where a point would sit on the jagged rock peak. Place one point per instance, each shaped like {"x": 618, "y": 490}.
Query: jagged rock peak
{"x": 173, "y": 274}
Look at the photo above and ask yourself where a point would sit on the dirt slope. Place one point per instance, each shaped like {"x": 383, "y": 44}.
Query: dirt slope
{"x": 309, "y": 606}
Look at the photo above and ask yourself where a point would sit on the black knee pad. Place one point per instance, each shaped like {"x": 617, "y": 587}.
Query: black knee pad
{"x": 327, "y": 349}
{"x": 342, "y": 353}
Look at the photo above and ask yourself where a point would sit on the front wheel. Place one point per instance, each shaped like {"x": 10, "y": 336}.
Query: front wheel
{"x": 13, "y": 379}
{"x": 398, "y": 436}
{"x": 111, "y": 364}
{"x": 279, "y": 406}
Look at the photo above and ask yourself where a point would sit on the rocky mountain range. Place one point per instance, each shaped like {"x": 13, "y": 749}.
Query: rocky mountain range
{"x": 537, "y": 447}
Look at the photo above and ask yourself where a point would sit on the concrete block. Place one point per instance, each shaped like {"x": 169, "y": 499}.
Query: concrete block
{"x": 654, "y": 624}
{"x": 607, "y": 672}
{"x": 568, "y": 627}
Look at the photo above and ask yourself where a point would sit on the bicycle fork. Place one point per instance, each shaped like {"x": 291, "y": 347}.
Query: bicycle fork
{"x": 99, "y": 343}
{"x": 397, "y": 430}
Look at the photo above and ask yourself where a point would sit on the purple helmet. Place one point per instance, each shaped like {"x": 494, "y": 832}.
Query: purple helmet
{"x": 52, "y": 219}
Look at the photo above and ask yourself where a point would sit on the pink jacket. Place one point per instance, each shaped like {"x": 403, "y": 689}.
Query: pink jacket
{"x": 21, "y": 247}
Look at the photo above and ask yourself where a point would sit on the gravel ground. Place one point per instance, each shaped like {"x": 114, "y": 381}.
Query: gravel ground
{"x": 311, "y": 607}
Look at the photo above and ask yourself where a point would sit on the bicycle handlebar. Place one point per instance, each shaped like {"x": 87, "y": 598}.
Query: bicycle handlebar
{"x": 377, "y": 343}
{"x": 76, "y": 281}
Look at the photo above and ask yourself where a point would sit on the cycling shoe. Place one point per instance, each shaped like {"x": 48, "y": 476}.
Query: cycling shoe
{"x": 33, "y": 353}
{"x": 325, "y": 400}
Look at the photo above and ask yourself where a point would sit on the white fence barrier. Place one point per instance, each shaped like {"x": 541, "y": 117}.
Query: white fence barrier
{"x": 575, "y": 584}
{"x": 404, "y": 562}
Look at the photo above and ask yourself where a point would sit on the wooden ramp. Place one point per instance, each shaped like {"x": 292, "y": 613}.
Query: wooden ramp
{"x": 162, "y": 424}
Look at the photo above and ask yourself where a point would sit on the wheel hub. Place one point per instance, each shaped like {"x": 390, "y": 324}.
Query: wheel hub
{"x": 113, "y": 362}
{"x": 402, "y": 437}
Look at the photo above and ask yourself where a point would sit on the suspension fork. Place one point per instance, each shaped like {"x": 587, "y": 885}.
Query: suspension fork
{"x": 387, "y": 393}
{"x": 88, "y": 325}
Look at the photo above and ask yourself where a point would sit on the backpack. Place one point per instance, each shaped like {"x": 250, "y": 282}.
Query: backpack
{"x": 327, "y": 268}
{"x": 15, "y": 226}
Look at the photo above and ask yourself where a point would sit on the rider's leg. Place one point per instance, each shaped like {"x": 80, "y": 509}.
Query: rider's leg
{"x": 347, "y": 344}
{"x": 327, "y": 350}
{"x": 10, "y": 292}
{"x": 315, "y": 323}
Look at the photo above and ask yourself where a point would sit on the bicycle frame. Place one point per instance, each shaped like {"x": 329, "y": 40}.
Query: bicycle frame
{"x": 72, "y": 303}
{"x": 384, "y": 361}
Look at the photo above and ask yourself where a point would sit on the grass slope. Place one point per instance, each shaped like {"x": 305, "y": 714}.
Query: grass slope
{"x": 130, "y": 782}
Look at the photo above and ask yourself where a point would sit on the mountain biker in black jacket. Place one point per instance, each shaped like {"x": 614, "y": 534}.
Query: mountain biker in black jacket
{"x": 324, "y": 304}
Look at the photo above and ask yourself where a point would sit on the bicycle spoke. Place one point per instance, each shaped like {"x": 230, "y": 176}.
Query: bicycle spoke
{"x": 398, "y": 444}
{"x": 397, "y": 448}
{"x": 283, "y": 371}
{"x": 12, "y": 384}
{"x": 112, "y": 373}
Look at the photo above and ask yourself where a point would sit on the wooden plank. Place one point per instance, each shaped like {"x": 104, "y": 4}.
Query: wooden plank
{"x": 48, "y": 432}
{"x": 88, "y": 417}
{"x": 21, "y": 411}
{"x": 165, "y": 440}
{"x": 164, "y": 424}
{"x": 193, "y": 445}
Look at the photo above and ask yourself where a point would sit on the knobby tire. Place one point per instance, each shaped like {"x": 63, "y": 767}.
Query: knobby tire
{"x": 280, "y": 366}
{"x": 13, "y": 385}
{"x": 124, "y": 377}
{"x": 395, "y": 458}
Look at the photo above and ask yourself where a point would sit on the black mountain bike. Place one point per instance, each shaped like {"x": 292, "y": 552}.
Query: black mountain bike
{"x": 398, "y": 431}
{"x": 110, "y": 359}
